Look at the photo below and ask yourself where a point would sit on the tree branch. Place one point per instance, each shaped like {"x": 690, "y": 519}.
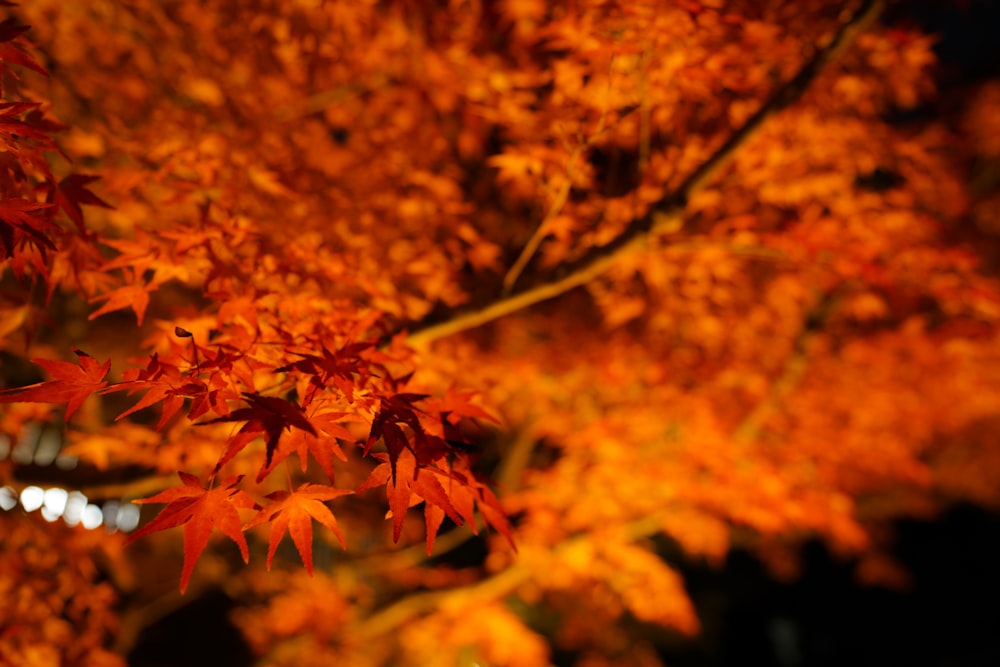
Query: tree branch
{"x": 492, "y": 588}
{"x": 666, "y": 213}
{"x": 535, "y": 242}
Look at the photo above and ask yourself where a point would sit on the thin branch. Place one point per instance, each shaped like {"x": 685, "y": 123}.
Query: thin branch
{"x": 517, "y": 457}
{"x": 790, "y": 375}
{"x": 665, "y": 213}
{"x": 492, "y": 588}
{"x": 541, "y": 231}
{"x": 411, "y": 556}
{"x": 136, "y": 488}
{"x": 412, "y": 606}
{"x": 787, "y": 380}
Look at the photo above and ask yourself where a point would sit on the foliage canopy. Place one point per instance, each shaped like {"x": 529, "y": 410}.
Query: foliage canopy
{"x": 580, "y": 274}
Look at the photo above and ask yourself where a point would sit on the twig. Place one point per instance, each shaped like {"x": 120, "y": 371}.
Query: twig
{"x": 492, "y": 588}
{"x": 411, "y": 556}
{"x": 137, "y": 488}
{"x": 789, "y": 377}
{"x": 663, "y": 214}
{"x": 517, "y": 457}
{"x": 791, "y": 374}
{"x": 541, "y": 231}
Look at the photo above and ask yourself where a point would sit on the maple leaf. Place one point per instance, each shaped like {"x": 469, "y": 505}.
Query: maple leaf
{"x": 514, "y": 167}
{"x": 134, "y": 296}
{"x": 147, "y": 255}
{"x": 10, "y": 29}
{"x": 123, "y": 444}
{"x": 10, "y": 52}
{"x": 161, "y": 381}
{"x": 340, "y": 367}
{"x": 294, "y": 512}
{"x": 468, "y": 491}
{"x": 267, "y": 414}
{"x": 14, "y": 131}
{"x": 199, "y": 509}
{"x": 72, "y": 192}
{"x": 71, "y": 384}
{"x": 18, "y": 214}
{"x": 404, "y": 481}
{"x": 455, "y": 405}
{"x": 393, "y": 411}
{"x": 323, "y": 445}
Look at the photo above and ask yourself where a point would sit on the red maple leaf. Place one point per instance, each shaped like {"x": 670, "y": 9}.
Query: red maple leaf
{"x": 161, "y": 381}
{"x": 468, "y": 491}
{"x": 71, "y": 384}
{"x": 397, "y": 411}
{"x": 199, "y": 509}
{"x": 322, "y": 445}
{"x": 294, "y": 512}
{"x": 72, "y": 192}
{"x": 134, "y": 296}
{"x": 269, "y": 415}
{"x": 455, "y": 405}
{"x": 21, "y": 215}
{"x": 404, "y": 481}
{"x": 11, "y": 52}
{"x": 17, "y": 133}
{"x": 344, "y": 368}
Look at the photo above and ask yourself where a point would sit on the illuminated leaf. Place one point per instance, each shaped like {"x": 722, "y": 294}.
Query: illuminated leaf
{"x": 294, "y": 512}
{"x": 407, "y": 484}
{"x": 200, "y": 510}
{"x": 71, "y": 384}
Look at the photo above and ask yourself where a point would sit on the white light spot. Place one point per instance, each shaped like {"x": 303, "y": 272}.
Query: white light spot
{"x": 32, "y": 498}
{"x": 55, "y": 500}
{"x": 91, "y": 517}
{"x": 75, "y": 505}
{"x": 8, "y": 498}
{"x": 49, "y": 515}
{"x": 128, "y": 518}
{"x": 111, "y": 515}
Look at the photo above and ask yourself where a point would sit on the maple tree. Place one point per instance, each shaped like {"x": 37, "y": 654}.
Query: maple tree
{"x": 582, "y": 274}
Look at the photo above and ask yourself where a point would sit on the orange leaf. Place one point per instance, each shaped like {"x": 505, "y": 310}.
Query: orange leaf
{"x": 405, "y": 481}
{"x": 71, "y": 384}
{"x": 135, "y": 297}
{"x": 455, "y": 405}
{"x": 199, "y": 510}
{"x": 468, "y": 492}
{"x": 294, "y": 512}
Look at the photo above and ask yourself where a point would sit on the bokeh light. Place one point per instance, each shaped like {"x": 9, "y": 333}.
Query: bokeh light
{"x": 8, "y": 498}
{"x": 32, "y": 498}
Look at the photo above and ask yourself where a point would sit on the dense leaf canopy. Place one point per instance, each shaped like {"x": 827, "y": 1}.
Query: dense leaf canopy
{"x": 565, "y": 277}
